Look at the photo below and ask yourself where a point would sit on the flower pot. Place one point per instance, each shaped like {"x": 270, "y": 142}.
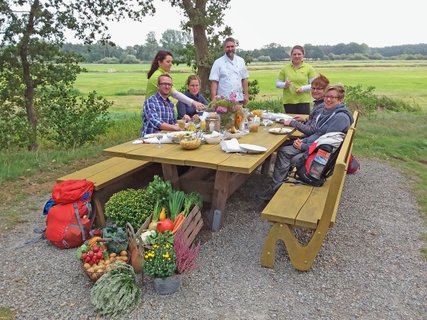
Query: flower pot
{"x": 167, "y": 285}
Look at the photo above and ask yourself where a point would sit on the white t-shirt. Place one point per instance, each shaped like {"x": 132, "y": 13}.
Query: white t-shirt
{"x": 229, "y": 74}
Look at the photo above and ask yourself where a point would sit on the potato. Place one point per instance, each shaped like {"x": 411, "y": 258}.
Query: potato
{"x": 86, "y": 266}
{"x": 112, "y": 255}
{"x": 124, "y": 253}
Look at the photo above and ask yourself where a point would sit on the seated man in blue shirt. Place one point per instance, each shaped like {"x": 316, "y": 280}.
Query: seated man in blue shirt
{"x": 158, "y": 111}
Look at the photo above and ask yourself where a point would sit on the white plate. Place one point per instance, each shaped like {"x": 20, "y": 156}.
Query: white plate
{"x": 150, "y": 135}
{"x": 175, "y": 133}
{"x": 280, "y": 130}
{"x": 252, "y": 148}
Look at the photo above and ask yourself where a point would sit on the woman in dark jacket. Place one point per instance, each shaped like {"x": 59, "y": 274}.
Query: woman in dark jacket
{"x": 187, "y": 112}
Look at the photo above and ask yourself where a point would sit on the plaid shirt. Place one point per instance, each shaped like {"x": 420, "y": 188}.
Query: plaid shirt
{"x": 157, "y": 110}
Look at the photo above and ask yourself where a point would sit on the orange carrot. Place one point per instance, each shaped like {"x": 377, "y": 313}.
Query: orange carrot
{"x": 178, "y": 218}
{"x": 178, "y": 225}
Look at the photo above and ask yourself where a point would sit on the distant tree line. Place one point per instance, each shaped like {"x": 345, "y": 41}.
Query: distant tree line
{"x": 177, "y": 41}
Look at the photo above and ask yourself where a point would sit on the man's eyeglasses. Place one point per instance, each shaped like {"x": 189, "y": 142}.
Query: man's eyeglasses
{"x": 331, "y": 97}
{"x": 165, "y": 84}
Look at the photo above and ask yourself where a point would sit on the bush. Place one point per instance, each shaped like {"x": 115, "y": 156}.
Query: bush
{"x": 109, "y": 61}
{"x": 365, "y": 101}
{"x": 133, "y": 206}
{"x": 253, "y": 88}
{"x": 71, "y": 121}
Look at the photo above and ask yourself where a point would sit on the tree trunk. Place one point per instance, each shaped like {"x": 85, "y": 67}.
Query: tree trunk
{"x": 196, "y": 15}
{"x": 28, "y": 81}
{"x": 203, "y": 67}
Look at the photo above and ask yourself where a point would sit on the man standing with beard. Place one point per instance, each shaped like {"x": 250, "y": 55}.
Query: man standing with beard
{"x": 229, "y": 74}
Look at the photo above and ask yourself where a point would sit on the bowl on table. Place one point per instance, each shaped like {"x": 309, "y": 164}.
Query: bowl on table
{"x": 213, "y": 138}
{"x": 190, "y": 144}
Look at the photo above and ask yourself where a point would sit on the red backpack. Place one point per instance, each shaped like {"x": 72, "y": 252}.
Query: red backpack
{"x": 71, "y": 218}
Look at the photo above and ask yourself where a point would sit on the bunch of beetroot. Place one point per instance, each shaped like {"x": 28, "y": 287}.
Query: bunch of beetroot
{"x": 94, "y": 255}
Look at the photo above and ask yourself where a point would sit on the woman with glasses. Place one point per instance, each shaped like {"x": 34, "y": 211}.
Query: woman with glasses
{"x": 308, "y": 127}
{"x": 162, "y": 64}
{"x": 188, "y": 112}
{"x": 294, "y": 79}
{"x": 334, "y": 117}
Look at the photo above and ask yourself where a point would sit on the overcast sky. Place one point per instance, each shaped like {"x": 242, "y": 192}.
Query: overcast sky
{"x": 259, "y": 23}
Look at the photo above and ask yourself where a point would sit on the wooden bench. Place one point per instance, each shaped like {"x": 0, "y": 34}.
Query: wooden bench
{"x": 113, "y": 175}
{"x": 307, "y": 207}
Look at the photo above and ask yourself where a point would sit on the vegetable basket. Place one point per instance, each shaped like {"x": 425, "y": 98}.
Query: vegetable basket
{"x": 97, "y": 271}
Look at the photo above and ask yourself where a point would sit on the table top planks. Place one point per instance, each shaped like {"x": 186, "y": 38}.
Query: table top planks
{"x": 207, "y": 155}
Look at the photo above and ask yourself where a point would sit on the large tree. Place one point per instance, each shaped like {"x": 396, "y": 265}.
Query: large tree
{"x": 204, "y": 20}
{"x": 31, "y": 35}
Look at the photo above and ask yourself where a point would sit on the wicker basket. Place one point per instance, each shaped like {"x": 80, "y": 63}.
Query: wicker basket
{"x": 96, "y": 274}
{"x": 190, "y": 144}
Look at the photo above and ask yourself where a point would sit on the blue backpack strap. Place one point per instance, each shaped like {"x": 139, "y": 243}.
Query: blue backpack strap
{"x": 49, "y": 204}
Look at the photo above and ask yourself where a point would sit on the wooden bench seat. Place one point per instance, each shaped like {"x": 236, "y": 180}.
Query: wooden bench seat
{"x": 113, "y": 175}
{"x": 303, "y": 206}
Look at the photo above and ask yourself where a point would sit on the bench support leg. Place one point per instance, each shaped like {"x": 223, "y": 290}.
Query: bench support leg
{"x": 301, "y": 256}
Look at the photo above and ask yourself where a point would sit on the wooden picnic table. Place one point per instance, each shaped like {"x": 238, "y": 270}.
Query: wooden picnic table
{"x": 213, "y": 173}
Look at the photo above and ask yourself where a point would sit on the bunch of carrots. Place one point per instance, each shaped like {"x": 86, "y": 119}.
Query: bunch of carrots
{"x": 179, "y": 220}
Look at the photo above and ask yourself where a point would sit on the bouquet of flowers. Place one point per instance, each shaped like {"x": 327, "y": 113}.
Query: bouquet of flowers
{"x": 229, "y": 110}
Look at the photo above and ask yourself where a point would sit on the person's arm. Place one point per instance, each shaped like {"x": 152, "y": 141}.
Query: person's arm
{"x": 169, "y": 127}
{"x": 182, "y": 109}
{"x": 306, "y": 87}
{"x": 188, "y": 101}
{"x": 214, "y": 89}
{"x": 283, "y": 84}
{"x": 245, "y": 86}
{"x": 151, "y": 113}
{"x": 306, "y": 128}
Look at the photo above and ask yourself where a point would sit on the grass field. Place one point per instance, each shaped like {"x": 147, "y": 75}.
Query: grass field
{"x": 399, "y": 79}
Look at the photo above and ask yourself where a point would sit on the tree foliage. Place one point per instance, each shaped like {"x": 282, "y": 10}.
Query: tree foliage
{"x": 31, "y": 62}
{"x": 205, "y": 20}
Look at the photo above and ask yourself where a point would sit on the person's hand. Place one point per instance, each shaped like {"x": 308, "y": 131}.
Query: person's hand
{"x": 299, "y": 90}
{"x": 186, "y": 118}
{"x": 199, "y": 106}
{"x": 287, "y": 122}
{"x": 299, "y": 119}
{"x": 297, "y": 144}
{"x": 288, "y": 83}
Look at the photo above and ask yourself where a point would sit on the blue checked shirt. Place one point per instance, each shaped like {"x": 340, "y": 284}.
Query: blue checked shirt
{"x": 156, "y": 111}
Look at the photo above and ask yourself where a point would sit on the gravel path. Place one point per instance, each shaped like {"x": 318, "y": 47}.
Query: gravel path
{"x": 370, "y": 266}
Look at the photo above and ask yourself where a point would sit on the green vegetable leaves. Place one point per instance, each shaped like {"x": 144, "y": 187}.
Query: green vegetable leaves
{"x": 116, "y": 292}
{"x": 192, "y": 199}
{"x": 176, "y": 201}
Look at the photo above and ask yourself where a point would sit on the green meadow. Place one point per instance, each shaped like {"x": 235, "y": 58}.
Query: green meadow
{"x": 125, "y": 84}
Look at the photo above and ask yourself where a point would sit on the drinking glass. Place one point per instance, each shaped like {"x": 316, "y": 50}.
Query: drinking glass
{"x": 159, "y": 137}
{"x": 181, "y": 124}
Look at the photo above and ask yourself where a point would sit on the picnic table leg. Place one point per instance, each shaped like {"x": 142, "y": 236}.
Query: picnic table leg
{"x": 265, "y": 168}
{"x": 220, "y": 194}
{"x": 170, "y": 173}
